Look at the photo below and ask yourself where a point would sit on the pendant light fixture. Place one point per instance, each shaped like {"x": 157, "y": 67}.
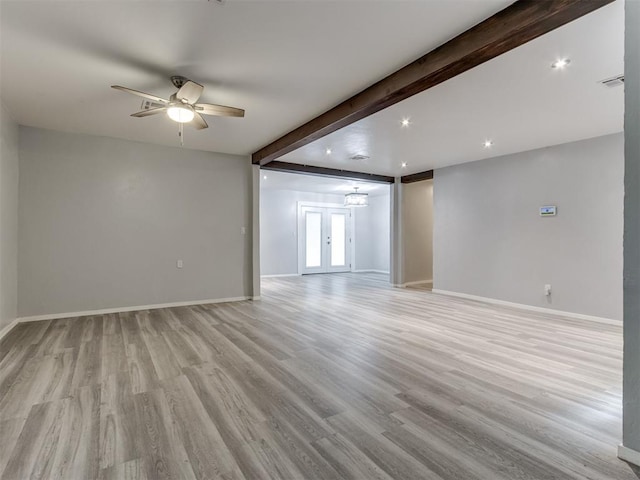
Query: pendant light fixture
{"x": 356, "y": 199}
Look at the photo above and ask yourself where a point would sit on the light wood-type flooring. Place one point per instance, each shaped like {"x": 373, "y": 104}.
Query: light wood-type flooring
{"x": 327, "y": 377}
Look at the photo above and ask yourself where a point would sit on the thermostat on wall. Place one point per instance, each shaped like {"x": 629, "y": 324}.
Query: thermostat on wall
{"x": 548, "y": 211}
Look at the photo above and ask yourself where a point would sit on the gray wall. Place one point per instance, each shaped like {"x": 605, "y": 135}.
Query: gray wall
{"x": 372, "y": 235}
{"x": 417, "y": 231}
{"x": 631, "y": 395}
{"x": 102, "y": 223}
{"x": 380, "y": 208}
{"x": 278, "y": 231}
{"x": 489, "y": 239}
{"x": 8, "y": 218}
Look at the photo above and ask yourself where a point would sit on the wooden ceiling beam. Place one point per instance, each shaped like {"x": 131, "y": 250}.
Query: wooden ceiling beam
{"x": 513, "y": 26}
{"x": 417, "y": 177}
{"x": 325, "y": 172}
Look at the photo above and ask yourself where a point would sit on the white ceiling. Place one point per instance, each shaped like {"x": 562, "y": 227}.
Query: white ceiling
{"x": 284, "y": 62}
{"x": 273, "y": 180}
{"x": 516, "y": 100}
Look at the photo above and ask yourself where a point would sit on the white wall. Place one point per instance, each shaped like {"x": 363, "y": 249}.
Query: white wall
{"x": 8, "y": 218}
{"x": 278, "y": 228}
{"x": 278, "y": 231}
{"x": 489, "y": 239}
{"x": 417, "y": 231}
{"x": 102, "y": 223}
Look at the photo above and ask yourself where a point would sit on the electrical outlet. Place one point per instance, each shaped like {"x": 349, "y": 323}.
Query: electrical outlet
{"x": 243, "y": 230}
{"x": 547, "y": 290}
{"x": 179, "y": 264}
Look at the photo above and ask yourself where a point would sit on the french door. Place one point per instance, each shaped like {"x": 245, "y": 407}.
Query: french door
{"x": 324, "y": 241}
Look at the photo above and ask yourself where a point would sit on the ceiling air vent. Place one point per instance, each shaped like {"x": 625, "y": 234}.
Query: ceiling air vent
{"x": 358, "y": 157}
{"x": 613, "y": 81}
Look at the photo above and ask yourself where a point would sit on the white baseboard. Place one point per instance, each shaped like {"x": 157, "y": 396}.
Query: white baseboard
{"x": 417, "y": 282}
{"x": 629, "y": 455}
{"x": 257, "y": 297}
{"x": 370, "y": 271}
{"x": 281, "y": 275}
{"x": 8, "y": 328}
{"x": 522, "y": 306}
{"x": 103, "y": 311}
{"x": 408, "y": 284}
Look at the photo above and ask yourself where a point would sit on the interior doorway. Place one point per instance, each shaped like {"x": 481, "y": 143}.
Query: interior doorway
{"x": 306, "y": 228}
{"x": 324, "y": 239}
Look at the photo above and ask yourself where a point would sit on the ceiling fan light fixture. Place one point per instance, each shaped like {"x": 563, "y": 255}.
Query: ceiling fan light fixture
{"x": 181, "y": 113}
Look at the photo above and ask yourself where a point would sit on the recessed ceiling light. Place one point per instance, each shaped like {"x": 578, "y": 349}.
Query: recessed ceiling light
{"x": 488, "y": 143}
{"x": 561, "y": 63}
{"x": 328, "y": 151}
{"x": 264, "y": 177}
{"x": 404, "y": 165}
{"x": 405, "y": 122}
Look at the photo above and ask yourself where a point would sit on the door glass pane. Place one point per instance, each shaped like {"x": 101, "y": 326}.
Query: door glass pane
{"x": 338, "y": 239}
{"x": 314, "y": 239}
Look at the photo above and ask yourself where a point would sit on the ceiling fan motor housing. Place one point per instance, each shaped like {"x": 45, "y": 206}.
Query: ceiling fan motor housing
{"x": 178, "y": 80}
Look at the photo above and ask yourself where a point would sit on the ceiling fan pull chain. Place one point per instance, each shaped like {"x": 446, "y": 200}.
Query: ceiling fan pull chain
{"x": 181, "y": 134}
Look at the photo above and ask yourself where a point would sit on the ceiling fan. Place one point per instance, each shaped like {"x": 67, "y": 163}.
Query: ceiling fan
{"x": 181, "y": 106}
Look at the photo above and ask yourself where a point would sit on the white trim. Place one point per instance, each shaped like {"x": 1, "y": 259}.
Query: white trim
{"x": 417, "y": 282}
{"x": 628, "y": 455}
{"x": 5, "y": 331}
{"x": 280, "y": 275}
{"x": 54, "y": 316}
{"x": 302, "y": 203}
{"x": 532, "y": 308}
{"x": 367, "y": 270}
{"x": 256, "y": 298}
{"x": 409, "y": 284}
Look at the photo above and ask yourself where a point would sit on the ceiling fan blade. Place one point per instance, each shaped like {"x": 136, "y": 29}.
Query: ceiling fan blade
{"x": 149, "y": 111}
{"x": 140, "y": 94}
{"x": 190, "y": 92}
{"x": 221, "y": 110}
{"x": 198, "y": 122}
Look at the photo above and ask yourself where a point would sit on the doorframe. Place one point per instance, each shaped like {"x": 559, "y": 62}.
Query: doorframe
{"x": 300, "y": 205}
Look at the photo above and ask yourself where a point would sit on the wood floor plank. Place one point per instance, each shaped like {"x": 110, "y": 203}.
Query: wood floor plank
{"x": 77, "y": 451}
{"x": 118, "y": 422}
{"x": 9, "y": 433}
{"x": 231, "y": 410}
{"x": 32, "y": 386}
{"x": 163, "y": 452}
{"x": 394, "y": 460}
{"x": 34, "y": 452}
{"x": 141, "y": 370}
{"x": 88, "y": 366}
{"x": 164, "y": 361}
{"x": 326, "y": 377}
{"x": 12, "y": 365}
{"x": 208, "y": 455}
{"x": 348, "y": 460}
{"x": 55, "y": 337}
